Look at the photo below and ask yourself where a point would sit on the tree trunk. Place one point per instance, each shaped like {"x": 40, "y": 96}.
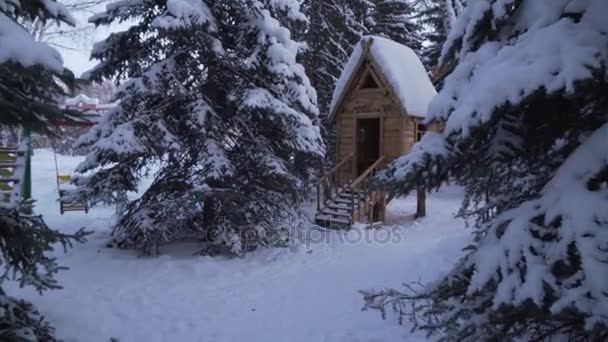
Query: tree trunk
{"x": 420, "y": 203}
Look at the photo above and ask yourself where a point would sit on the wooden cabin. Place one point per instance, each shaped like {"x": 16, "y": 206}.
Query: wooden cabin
{"x": 378, "y": 107}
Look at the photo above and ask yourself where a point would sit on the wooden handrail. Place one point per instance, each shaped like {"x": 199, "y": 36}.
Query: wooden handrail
{"x": 18, "y": 156}
{"x": 367, "y": 172}
{"x": 331, "y": 184}
{"x": 369, "y": 198}
{"x": 335, "y": 168}
{"x": 360, "y": 197}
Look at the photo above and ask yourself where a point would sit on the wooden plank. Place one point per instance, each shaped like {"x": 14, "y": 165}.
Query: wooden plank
{"x": 330, "y": 212}
{"x": 338, "y": 206}
{"x": 369, "y": 115}
{"x": 74, "y": 207}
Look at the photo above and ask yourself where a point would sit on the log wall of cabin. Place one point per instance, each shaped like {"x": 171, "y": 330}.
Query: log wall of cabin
{"x": 409, "y": 134}
{"x": 370, "y": 103}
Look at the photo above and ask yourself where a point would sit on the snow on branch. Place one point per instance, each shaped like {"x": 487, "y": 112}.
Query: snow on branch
{"x": 562, "y": 238}
{"x": 184, "y": 13}
{"x": 19, "y": 46}
{"x": 553, "y": 54}
{"x": 427, "y": 158}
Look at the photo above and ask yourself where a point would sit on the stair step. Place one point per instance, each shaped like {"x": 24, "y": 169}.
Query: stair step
{"x": 332, "y": 222}
{"x": 342, "y": 200}
{"x": 349, "y": 196}
{"x": 349, "y": 190}
{"x": 9, "y": 179}
{"x": 336, "y": 213}
{"x": 339, "y": 206}
{"x": 347, "y": 201}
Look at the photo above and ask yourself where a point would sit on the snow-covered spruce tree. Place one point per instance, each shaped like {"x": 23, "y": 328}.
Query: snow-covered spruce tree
{"x": 526, "y": 132}
{"x": 215, "y": 99}
{"x": 438, "y": 17}
{"x": 28, "y": 90}
{"x": 336, "y": 26}
{"x": 397, "y": 20}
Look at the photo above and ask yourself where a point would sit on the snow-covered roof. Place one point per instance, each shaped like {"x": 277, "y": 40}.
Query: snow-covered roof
{"x": 81, "y": 98}
{"x": 105, "y": 106}
{"x": 401, "y": 68}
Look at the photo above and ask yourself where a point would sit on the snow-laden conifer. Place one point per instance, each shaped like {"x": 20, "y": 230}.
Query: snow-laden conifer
{"x": 30, "y": 85}
{"x": 438, "y": 17}
{"x": 336, "y": 26}
{"x": 217, "y": 101}
{"x": 397, "y": 20}
{"x": 526, "y": 114}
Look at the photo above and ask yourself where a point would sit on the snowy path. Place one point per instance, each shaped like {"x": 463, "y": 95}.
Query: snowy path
{"x": 306, "y": 293}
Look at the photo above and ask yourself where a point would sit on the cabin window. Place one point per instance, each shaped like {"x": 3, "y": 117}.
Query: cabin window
{"x": 420, "y": 130}
{"x": 369, "y": 82}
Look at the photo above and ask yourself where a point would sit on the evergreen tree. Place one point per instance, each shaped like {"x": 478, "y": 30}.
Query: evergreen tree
{"x": 336, "y": 26}
{"x": 29, "y": 75}
{"x": 217, "y": 100}
{"x": 397, "y": 20}
{"x": 438, "y": 16}
{"x": 526, "y": 123}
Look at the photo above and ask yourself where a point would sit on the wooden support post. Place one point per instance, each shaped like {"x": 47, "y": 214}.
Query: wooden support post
{"x": 371, "y": 214}
{"x": 318, "y": 197}
{"x": 382, "y": 210}
{"x": 352, "y": 204}
{"x": 358, "y": 206}
{"x": 26, "y": 192}
{"x": 420, "y": 202}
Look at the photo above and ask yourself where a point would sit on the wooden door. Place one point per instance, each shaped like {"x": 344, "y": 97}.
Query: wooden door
{"x": 368, "y": 143}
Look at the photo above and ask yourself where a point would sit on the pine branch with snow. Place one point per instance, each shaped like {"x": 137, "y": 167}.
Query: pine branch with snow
{"x": 31, "y": 73}
{"x": 21, "y": 321}
{"x": 25, "y": 241}
{"x": 398, "y": 20}
{"x": 438, "y": 17}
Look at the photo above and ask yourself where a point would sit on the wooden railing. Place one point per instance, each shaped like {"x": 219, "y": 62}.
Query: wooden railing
{"x": 331, "y": 184}
{"x": 363, "y": 199}
{"x": 12, "y": 173}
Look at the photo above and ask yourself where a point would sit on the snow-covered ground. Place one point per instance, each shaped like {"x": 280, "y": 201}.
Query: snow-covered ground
{"x": 305, "y": 293}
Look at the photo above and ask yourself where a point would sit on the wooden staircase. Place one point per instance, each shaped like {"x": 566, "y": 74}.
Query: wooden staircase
{"x": 13, "y": 163}
{"x": 342, "y": 201}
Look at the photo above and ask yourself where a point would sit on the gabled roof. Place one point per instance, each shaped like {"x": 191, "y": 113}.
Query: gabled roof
{"x": 81, "y": 98}
{"x": 400, "y": 67}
